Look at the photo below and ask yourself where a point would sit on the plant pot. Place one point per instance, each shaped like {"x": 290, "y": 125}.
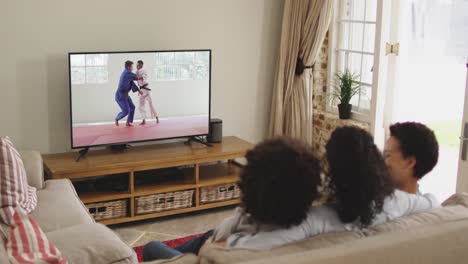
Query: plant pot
{"x": 344, "y": 111}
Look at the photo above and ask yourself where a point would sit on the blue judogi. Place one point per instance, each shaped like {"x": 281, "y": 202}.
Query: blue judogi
{"x": 122, "y": 98}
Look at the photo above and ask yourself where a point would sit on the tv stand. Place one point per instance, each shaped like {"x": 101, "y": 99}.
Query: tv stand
{"x": 202, "y": 168}
{"x": 82, "y": 153}
{"x": 199, "y": 140}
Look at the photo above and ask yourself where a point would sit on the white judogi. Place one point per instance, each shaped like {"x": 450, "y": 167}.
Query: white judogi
{"x": 145, "y": 96}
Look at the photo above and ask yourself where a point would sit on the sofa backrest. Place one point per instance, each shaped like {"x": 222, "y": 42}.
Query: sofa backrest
{"x": 214, "y": 255}
{"x": 32, "y": 161}
{"x": 455, "y": 210}
{"x": 428, "y": 244}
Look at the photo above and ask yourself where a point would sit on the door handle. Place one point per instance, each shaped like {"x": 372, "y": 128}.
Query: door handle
{"x": 464, "y": 140}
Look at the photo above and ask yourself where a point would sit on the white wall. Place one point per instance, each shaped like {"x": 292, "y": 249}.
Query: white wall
{"x": 96, "y": 102}
{"x": 35, "y": 37}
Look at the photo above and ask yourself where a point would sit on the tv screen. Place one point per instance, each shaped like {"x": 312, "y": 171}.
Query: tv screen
{"x": 124, "y": 97}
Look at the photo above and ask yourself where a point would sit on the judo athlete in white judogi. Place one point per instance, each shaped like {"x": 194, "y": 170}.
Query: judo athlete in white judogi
{"x": 145, "y": 94}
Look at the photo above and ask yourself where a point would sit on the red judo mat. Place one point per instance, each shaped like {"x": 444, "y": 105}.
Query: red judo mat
{"x": 91, "y": 135}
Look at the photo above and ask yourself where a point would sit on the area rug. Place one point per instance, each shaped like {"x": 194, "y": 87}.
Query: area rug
{"x": 172, "y": 243}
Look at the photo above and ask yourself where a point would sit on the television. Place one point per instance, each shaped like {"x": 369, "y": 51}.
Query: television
{"x": 118, "y": 98}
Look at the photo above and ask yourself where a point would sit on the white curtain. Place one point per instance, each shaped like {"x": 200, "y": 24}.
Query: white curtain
{"x": 305, "y": 25}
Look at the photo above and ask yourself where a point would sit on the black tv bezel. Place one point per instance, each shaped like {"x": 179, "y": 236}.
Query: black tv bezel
{"x": 136, "y": 141}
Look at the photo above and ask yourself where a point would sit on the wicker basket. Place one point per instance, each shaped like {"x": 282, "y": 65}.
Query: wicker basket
{"x": 217, "y": 193}
{"x": 108, "y": 210}
{"x": 164, "y": 202}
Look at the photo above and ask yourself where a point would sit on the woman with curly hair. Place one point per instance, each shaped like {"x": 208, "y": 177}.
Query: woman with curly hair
{"x": 360, "y": 193}
{"x": 278, "y": 185}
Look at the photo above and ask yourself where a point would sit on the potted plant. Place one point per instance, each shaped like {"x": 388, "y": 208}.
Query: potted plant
{"x": 345, "y": 87}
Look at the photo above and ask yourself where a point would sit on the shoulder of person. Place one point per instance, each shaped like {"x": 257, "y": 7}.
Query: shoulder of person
{"x": 411, "y": 200}
{"x": 320, "y": 214}
{"x": 431, "y": 197}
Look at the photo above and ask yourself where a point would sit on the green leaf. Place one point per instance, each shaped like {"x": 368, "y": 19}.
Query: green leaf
{"x": 346, "y": 85}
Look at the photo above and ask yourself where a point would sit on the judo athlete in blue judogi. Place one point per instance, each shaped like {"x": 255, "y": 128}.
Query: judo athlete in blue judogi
{"x": 122, "y": 97}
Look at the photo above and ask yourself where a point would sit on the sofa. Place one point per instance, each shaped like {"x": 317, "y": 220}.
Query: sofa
{"x": 66, "y": 221}
{"x": 436, "y": 236}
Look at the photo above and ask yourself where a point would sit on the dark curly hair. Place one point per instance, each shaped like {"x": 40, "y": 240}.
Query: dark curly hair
{"x": 280, "y": 181}
{"x": 419, "y": 141}
{"x": 358, "y": 179}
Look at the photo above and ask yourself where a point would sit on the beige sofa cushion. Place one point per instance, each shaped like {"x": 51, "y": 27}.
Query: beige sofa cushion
{"x": 59, "y": 207}
{"x": 32, "y": 161}
{"x": 432, "y": 217}
{"x": 457, "y": 199}
{"x": 442, "y": 244}
{"x": 455, "y": 208}
{"x": 91, "y": 243}
{"x": 222, "y": 255}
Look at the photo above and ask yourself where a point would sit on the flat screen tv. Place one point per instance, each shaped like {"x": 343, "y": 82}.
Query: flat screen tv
{"x": 126, "y": 97}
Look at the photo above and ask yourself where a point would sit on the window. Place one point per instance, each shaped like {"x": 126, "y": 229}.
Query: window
{"x": 89, "y": 68}
{"x": 352, "y": 46}
{"x": 176, "y": 66}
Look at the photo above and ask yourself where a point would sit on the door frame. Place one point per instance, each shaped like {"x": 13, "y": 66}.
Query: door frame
{"x": 378, "y": 126}
{"x": 462, "y": 175}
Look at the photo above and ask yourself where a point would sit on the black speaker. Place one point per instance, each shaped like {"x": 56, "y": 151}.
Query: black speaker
{"x": 216, "y": 130}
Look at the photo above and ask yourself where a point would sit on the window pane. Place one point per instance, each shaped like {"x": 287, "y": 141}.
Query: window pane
{"x": 202, "y": 57}
{"x": 355, "y": 102}
{"x": 96, "y": 75}
{"x": 165, "y": 58}
{"x": 352, "y": 61}
{"x": 102, "y": 75}
{"x": 96, "y": 59}
{"x": 185, "y": 72}
{"x": 369, "y": 40}
{"x": 371, "y": 10}
{"x": 351, "y": 37}
{"x": 165, "y": 72}
{"x": 201, "y": 72}
{"x": 173, "y": 72}
{"x": 353, "y": 9}
{"x": 91, "y": 75}
{"x": 184, "y": 57}
{"x": 367, "y": 69}
{"x": 361, "y": 103}
{"x": 77, "y": 75}
{"x": 366, "y": 95}
{"x": 77, "y": 60}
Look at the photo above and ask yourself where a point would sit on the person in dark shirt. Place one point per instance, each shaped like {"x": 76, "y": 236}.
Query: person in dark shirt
{"x": 122, "y": 97}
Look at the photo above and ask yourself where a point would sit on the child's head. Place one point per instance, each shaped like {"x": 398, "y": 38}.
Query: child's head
{"x": 359, "y": 181}
{"x": 410, "y": 152}
{"x": 280, "y": 181}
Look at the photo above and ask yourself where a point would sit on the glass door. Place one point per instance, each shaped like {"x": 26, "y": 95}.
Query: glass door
{"x": 426, "y": 79}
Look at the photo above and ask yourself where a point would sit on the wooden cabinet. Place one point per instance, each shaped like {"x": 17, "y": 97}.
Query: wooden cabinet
{"x": 201, "y": 166}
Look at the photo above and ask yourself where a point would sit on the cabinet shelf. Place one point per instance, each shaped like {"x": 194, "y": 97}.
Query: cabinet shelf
{"x": 219, "y": 174}
{"x": 93, "y": 197}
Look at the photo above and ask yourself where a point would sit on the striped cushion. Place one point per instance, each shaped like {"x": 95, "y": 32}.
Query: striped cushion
{"x": 14, "y": 188}
{"x": 27, "y": 244}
